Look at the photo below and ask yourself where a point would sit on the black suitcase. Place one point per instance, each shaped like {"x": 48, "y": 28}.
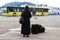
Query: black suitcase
{"x": 35, "y": 28}
{"x": 41, "y": 29}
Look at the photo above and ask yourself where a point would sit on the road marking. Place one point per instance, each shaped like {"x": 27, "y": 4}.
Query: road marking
{"x": 52, "y": 28}
{"x": 9, "y": 32}
{"x": 5, "y": 34}
{"x": 16, "y": 30}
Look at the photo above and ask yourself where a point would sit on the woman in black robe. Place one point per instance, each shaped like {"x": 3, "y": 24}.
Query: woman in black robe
{"x": 25, "y": 29}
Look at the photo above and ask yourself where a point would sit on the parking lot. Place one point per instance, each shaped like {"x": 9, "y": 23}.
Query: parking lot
{"x": 10, "y": 28}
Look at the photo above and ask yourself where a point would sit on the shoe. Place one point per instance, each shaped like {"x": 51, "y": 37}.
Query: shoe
{"x": 27, "y": 36}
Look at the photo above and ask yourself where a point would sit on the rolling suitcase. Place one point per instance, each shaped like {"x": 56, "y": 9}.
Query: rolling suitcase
{"x": 35, "y": 28}
{"x": 41, "y": 29}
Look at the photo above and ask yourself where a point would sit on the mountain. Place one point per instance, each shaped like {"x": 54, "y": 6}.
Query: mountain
{"x": 19, "y": 4}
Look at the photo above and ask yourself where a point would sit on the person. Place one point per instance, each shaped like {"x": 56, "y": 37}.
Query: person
{"x": 25, "y": 29}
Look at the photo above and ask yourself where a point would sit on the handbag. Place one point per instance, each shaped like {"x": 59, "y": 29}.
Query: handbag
{"x": 21, "y": 20}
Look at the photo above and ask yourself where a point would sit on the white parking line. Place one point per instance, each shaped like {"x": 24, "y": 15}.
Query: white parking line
{"x": 16, "y": 30}
{"x": 52, "y": 28}
{"x": 5, "y": 34}
{"x": 49, "y": 28}
{"x": 11, "y": 31}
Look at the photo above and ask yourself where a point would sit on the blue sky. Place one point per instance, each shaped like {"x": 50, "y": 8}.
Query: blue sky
{"x": 53, "y": 3}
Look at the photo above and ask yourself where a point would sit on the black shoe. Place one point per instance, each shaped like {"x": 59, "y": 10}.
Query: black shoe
{"x": 27, "y": 36}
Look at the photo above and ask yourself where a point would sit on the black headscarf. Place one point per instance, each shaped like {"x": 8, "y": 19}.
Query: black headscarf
{"x": 26, "y": 13}
{"x": 26, "y": 8}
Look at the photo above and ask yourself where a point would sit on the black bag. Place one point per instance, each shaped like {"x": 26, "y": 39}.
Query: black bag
{"x": 41, "y": 29}
{"x": 21, "y": 20}
{"x": 35, "y": 28}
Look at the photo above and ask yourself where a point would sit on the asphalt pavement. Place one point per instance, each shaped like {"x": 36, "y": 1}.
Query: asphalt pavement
{"x": 10, "y": 29}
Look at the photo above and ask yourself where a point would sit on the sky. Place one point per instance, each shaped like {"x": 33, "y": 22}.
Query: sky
{"x": 53, "y": 3}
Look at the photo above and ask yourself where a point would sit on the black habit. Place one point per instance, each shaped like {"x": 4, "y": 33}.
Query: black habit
{"x": 25, "y": 28}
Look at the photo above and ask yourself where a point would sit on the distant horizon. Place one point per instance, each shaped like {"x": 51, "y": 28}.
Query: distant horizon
{"x": 53, "y": 3}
